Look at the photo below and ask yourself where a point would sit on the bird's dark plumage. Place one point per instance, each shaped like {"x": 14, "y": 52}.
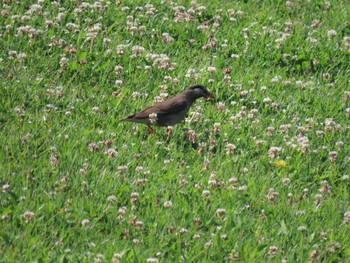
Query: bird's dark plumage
{"x": 171, "y": 111}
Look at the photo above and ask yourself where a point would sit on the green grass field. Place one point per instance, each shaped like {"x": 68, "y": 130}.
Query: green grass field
{"x": 260, "y": 174}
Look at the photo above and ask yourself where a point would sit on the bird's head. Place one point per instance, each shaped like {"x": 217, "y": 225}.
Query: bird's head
{"x": 198, "y": 91}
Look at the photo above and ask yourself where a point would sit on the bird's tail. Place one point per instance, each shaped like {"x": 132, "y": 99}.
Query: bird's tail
{"x": 128, "y": 118}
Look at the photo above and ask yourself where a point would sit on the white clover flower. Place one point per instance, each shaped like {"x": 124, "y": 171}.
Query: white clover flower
{"x": 286, "y": 181}
{"x": 206, "y": 193}
{"x": 302, "y": 228}
{"x": 273, "y": 151}
{"x": 138, "y": 49}
{"x": 220, "y": 212}
{"x": 289, "y": 4}
{"x": 183, "y": 230}
{"x": 168, "y": 204}
{"x": 230, "y": 147}
{"x": 217, "y": 125}
{"x": 267, "y": 101}
{"x": 139, "y": 225}
{"x": 209, "y": 244}
{"x": 331, "y": 33}
{"x": 139, "y": 169}
{"x": 313, "y": 41}
{"x": 211, "y": 69}
{"x": 135, "y": 94}
{"x": 64, "y": 62}
{"x": 118, "y": 69}
{"x": 125, "y": 9}
{"x": 239, "y": 13}
{"x": 117, "y": 257}
{"x": 85, "y": 222}
{"x": 232, "y": 180}
{"x": 276, "y": 79}
{"x": 118, "y": 82}
{"x": 6, "y": 188}
{"x": 152, "y": 260}
{"x": 273, "y": 250}
{"x": 28, "y": 216}
{"x": 201, "y": 8}
{"x": 153, "y": 117}
{"x": 346, "y": 219}
{"x": 12, "y": 54}
{"x": 22, "y": 57}
{"x": 112, "y": 199}
{"x": 112, "y": 153}
{"x": 196, "y": 237}
{"x": 333, "y": 156}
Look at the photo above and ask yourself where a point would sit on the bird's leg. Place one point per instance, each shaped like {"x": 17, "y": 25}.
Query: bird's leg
{"x": 169, "y": 132}
{"x": 150, "y": 129}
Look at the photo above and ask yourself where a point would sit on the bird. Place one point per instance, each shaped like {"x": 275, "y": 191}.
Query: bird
{"x": 171, "y": 111}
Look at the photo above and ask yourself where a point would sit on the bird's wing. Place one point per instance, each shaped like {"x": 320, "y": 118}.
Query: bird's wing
{"x": 168, "y": 107}
{"x": 171, "y": 107}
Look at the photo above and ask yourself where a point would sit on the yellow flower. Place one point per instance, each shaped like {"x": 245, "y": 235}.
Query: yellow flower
{"x": 280, "y": 163}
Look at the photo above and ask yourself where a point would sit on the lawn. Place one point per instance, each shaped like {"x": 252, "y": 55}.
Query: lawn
{"x": 260, "y": 174}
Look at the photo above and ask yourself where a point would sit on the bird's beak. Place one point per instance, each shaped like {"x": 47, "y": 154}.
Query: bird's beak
{"x": 211, "y": 96}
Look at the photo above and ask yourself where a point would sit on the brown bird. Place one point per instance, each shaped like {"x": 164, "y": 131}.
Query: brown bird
{"x": 171, "y": 111}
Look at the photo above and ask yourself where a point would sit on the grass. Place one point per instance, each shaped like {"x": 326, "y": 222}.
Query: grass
{"x": 262, "y": 176}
